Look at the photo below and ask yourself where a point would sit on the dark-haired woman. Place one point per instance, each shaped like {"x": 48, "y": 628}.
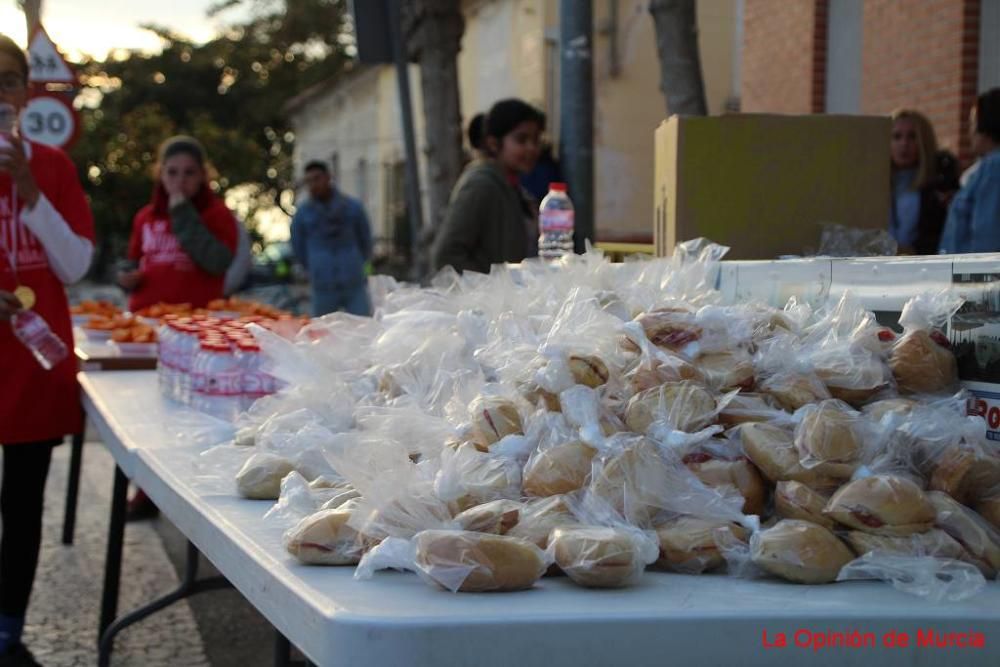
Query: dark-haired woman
{"x": 184, "y": 240}
{"x": 46, "y": 242}
{"x": 490, "y": 218}
{"x": 974, "y": 217}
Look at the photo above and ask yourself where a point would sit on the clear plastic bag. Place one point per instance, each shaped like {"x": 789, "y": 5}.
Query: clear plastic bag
{"x": 468, "y": 477}
{"x": 935, "y": 579}
{"x": 463, "y": 561}
{"x": 326, "y": 538}
{"x": 921, "y": 360}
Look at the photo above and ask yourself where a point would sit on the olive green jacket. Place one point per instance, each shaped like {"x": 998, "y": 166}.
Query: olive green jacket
{"x": 488, "y": 222}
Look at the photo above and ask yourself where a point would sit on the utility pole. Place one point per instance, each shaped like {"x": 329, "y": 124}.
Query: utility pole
{"x": 576, "y": 111}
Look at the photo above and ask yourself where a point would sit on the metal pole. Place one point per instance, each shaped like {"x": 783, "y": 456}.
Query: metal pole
{"x": 415, "y": 212}
{"x": 576, "y": 113}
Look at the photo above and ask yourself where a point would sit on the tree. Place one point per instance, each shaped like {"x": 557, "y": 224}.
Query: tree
{"x": 681, "y": 81}
{"x": 32, "y": 13}
{"x": 227, "y": 92}
{"x": 433, "y": 31}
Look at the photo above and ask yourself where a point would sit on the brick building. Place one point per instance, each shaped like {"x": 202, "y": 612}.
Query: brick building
{"x": 870, "y": 57}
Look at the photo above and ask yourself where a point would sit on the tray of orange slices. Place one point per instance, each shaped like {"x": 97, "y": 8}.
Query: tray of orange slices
{"x": 85, "y": 310}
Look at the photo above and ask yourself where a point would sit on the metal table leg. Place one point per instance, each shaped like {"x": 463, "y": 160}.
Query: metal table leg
{"x": 73, "y": 484}
{"x": 190, "y": 585}
{"x": 113, "y": 556}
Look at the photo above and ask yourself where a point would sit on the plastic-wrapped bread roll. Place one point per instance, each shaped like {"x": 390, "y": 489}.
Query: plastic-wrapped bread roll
{"x": 989, "y": 509}
{"x": 936, "y": 543}
{"x": 854, "y": 378}
{"x": 540, "y": 517}
{"x": 260, "y": 477}
{"x": 744, "y": 408}
{"x": 923, "y": 363}
{"x": 965, "y": 473}
{"x": 688, "y": 545}
{"x": 725, "y": 371}
{"x": 497, "y": 517}
{"x": 469, "y": 477}
{"x": 686, "y": 405}
{"x": 799, "y": 551}
{"x": 794, "y": 500}
{"x": 671, "y": 368}
{"x": 588, "y": 370}
{"x": 739, "y": 474}
{"x": 464, "y": 561}
{"x": 793, "y": 390}
{"x": 324, "y": 538}
{"x": 978, "y": 537}
{"x": 601, "y": 557}
{"x": 633, "y": 479}
{"x": 882, "y": 504}
{"x": 670, "y": 329}
{"x": 494, "y": 417}
{"x": 772, "y": 450}
{"x": 827, "y": 439}
{"x": 559, "y": 469}
{"x": 890, "y": 406}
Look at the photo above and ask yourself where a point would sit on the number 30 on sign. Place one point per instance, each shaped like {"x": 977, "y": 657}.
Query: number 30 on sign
{"x": 50, "y": 120}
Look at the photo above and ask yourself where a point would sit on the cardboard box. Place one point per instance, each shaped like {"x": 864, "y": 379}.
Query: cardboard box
{"x": 763, "y": 184}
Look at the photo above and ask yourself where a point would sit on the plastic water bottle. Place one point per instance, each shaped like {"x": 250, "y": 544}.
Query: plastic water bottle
{"x": 217, "y": 381}
{"x": 32, "y": 330}
{"x": 555, "y": 223}
{"x": 166, "y": 368}
{"x": 255, "y": 383}
{"x": 187, "y": 347}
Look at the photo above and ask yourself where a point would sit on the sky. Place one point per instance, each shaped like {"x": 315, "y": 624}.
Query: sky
{"x": 98, "y": 26}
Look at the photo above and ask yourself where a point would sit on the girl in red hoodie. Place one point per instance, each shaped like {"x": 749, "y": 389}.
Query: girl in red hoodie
{"x": 184, "y": 239}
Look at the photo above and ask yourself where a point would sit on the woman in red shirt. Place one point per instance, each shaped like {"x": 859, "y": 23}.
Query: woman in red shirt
{"x": 46, "y": 242}
{"x": 185, "y": 238}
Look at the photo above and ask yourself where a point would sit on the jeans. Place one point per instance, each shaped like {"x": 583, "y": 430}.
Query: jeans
{"x": 353, "y": 300}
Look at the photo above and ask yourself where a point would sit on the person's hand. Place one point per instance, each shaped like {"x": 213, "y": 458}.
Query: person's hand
{"x": 130, "y": 279}
{"x": 14, "y": 162}
{"x": 9, "y": 304}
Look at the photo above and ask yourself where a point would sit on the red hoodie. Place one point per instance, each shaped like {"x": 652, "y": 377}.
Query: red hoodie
{"x": 168, "y": 274}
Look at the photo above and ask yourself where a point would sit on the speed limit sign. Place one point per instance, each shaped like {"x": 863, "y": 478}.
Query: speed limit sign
{"x": 49, "y": 119}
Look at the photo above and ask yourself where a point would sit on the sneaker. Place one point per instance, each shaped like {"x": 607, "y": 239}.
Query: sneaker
{"x": 141, "y": 508}
{"x": 18, "y": 655}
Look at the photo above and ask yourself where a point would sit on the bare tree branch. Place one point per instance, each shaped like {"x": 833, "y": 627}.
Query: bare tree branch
{"x": 681, "y": 81}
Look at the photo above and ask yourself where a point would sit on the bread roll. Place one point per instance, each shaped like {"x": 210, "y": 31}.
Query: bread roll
{"x": 688, "y": 545}
{"x": 261, "y": 475}
{"x": 559, "y": 469}
{"x": 497, "y": 517}
{"x": 600, "y": 557}
{"x": 725, "y": 371}
{"x": 936, "y": 543}
{"x": 772, "y": 450}
{"x": 794, "y": 500}
{"x": 882, "y": 504}
{"x": 923, "y": 365}
{"x": 671, "y": 368}
{"x": 793, "y": 390}
{"x": 739, "y": 474}
{"x": 464, "y": 561}
{"x": 540, "y": 517}
{"x": 800, "y": 551}
{"x": 989, "y": 509}
{"x": 965, "y": 473}
{"x": 686, "y": 405}
{"x": 895, "y": 406}
{"x": 978, "y": 537}
{"x": 670, "y": 329}
{"x": 588, "y": 370}
{"x": 494, "y": 417}
{"x": 324, "y": 538}
{"x": 744, "y": 408}
{"x": 827, "y": 440}
{"x": 853, "y": 378}
{"x": 633, "y": 479}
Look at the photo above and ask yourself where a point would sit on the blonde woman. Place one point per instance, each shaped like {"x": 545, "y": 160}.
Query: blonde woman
{"x": 923, "y": 181}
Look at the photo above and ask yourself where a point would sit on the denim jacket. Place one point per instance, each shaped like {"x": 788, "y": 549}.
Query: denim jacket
{"x": 974, "y": 217}
{"x": 333, "y": 240}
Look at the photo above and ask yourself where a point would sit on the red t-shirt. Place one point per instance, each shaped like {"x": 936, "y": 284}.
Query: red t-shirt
{"x": 36, "y": 404}
{"x": 168, "y": 274}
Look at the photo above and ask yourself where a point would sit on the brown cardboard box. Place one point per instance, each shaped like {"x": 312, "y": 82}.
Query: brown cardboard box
{"x": 762, "y": 184}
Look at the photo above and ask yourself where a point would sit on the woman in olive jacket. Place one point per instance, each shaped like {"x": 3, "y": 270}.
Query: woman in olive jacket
{"x": 491, "y": 219}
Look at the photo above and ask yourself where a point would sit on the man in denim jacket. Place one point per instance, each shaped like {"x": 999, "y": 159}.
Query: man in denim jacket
{"x": 333, "y": 241}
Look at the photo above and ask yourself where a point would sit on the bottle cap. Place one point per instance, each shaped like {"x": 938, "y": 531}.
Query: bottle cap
{"x": 557, "y": 187}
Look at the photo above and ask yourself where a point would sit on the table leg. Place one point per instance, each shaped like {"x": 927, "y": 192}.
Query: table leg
{"x": 113, "y": 556}
{"x": 73, "y": 484}
{"x": 282, "y": 650}
{"x": 189, "y": 585}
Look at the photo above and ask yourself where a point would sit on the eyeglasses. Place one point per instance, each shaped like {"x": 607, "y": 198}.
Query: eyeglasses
{"x": 11, "y": 82}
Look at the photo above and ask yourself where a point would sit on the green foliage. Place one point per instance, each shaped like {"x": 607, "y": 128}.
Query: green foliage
{"x": 229, "y": 93}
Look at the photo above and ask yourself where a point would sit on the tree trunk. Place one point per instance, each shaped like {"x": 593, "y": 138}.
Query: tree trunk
{"x": 433, "y": 30}
{"x": 680, "y": 64}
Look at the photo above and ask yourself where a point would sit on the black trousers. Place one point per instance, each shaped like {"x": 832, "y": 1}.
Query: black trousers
{"x": 25, "y": 468}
